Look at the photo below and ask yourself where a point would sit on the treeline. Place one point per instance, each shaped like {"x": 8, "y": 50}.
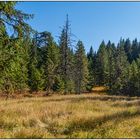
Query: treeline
{"x": 31, "y": 61}
{"x": 117, "y": 67}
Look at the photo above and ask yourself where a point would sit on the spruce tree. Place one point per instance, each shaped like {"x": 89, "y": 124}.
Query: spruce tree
{"x": 81, "y": 69}
{"x": 120, "y": 69}
{"x": 133, "y": 81}
{"x": 128, "y": 50}
{"x": 91, "y": 68}
{"x": 14, "y": 18}
{"x": 34, "y": 74}
{"x": 13, "y": 55}
{"x": 135, "y": 48}
{"x": 66, "y": 61}
{"x": 110, "y": 72}
{"x": 51, "y": 60}
{"x": 102, "y": 64}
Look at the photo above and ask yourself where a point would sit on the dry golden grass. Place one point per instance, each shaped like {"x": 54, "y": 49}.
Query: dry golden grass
{"x": 100, "y": 89}
{"x": 71, "y": 116}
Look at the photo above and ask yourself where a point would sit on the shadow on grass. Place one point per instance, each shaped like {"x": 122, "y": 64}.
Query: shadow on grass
{"x": 127, "y": 104}
{"x": 77, "y": 98}
{"x": 91, "y": 124}
{"x": 83, "y": 98}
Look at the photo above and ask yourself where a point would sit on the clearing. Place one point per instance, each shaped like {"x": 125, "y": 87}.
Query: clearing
{"x": 71, "y": 116}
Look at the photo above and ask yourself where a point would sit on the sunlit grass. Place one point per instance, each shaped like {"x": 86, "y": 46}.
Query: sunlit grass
{"x": 71, "y": 116}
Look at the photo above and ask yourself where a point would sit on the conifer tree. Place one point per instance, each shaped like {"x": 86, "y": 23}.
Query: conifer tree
{"x": 66, "y": 61}
{"x": 13, "y": 59}
{"x": 81, "y": 69}
{"x": 121, "y": 68}
{"x": 135, "y": 48}
{"x": 91, "y": 68}
{"x": 34, "y": 74}
{"x": 128, "y": 50}
{"x": 110, "y": 72}
{"x": 133, "y": 81}
{"x": 102, "y": 64}
{"x": 51, "y": 60}
{"x": 14, "y": 18}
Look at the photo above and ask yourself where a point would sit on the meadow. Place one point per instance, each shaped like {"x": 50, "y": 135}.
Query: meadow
{"x": 94, "y": 115}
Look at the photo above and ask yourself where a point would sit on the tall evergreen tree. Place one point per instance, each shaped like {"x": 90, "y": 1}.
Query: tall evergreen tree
{"x": 133, "y": 81}
{"x": 102, "y": 64}
{"x": 51, "y": 60}
{"x": 66, "y": 62}
{"x": 81, "y": 69}
{"x": 135, "y": 48}
{"x": 34, "y": 74}
{"x": 121, "y": 69}
{"x": 91, "y": 68}
{"x": 13, "y": 59}
{"x": 128, "y": 50}
{"x": 110, "y": 71}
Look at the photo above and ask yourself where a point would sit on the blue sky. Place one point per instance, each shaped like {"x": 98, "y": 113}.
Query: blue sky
{"x": 91, "y": 22}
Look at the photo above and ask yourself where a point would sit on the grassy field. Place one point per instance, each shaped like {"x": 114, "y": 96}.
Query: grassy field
{"x": 71, "y": 116}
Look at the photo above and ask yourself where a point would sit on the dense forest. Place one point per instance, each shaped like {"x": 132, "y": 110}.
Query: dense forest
{"x": 32, "y": 61}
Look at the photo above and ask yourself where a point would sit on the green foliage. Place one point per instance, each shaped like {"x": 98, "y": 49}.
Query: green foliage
{"x": 58, "y": 85}
{"x": 91, "y": 68}
{"x": 51, "y": 60}
{"x": 111, "y": 69}
{"x": 35, "y": 80}
{"x": 66, "y": 58}
{"x": 121, "y": 69}
{"x": 102, "y": 61}
{"x": 34, "y": 61}
{"x": 14, "y": 18}
{"x": 81, "y": 68}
